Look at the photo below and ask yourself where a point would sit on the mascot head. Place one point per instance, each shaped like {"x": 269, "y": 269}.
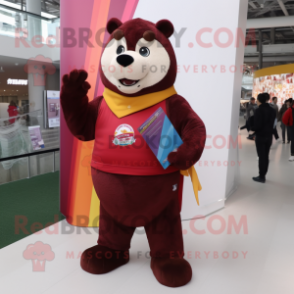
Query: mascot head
{"x": 138, "y": 58}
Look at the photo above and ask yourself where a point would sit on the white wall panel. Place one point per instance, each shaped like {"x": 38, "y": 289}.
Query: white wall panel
{"x": 213, "y": 94}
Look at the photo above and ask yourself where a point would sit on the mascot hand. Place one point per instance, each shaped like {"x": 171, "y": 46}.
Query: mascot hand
{"x": 182, "y": 158}
{"x": 75, "y": 83}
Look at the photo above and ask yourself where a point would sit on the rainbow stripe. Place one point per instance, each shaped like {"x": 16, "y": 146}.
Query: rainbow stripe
{"x": 78, "y": 199}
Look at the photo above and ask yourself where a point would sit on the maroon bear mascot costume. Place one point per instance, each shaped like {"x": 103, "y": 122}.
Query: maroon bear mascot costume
{"x": 138, "y": 69}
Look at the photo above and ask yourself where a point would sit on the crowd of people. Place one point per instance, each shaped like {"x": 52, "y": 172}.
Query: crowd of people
{"x": 262, "y": 118}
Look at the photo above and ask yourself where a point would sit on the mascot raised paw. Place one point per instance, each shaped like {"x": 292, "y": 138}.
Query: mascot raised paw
{"x": 138, "y": 69}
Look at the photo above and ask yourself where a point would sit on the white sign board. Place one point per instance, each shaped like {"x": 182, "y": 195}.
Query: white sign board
{"x": 53, "y": 108}
{"x": 36, "y": 137}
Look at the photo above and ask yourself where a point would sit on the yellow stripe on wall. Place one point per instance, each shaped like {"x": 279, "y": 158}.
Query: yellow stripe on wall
{"x": 93, "y": 58}
{"x": 274, "y": 70}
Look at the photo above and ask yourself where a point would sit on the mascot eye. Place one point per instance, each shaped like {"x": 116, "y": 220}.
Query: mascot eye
{"x": 120, "y": 49}
{"x": 144, "y": 51}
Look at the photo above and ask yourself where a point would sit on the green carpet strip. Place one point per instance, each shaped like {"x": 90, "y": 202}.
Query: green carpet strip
{"x": 27, "y": 206}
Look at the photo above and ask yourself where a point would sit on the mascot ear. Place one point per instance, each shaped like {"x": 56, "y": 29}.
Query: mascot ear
{"x": 166, "y": 27}
{"x": 113, "y": 24}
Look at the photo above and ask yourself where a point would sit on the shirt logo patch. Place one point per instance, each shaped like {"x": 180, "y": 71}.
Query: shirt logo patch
{"x": 124, "y": 135}
{"x": 175, "y": 187}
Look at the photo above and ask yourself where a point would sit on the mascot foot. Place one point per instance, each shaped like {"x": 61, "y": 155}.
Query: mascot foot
{"x": 100, "y": 259}
{"x": 171, "y": 272}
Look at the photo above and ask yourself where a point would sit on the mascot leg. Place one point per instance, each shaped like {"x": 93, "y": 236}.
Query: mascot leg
{"x": 113, "y": 249}
{"x": 165, "y": 238}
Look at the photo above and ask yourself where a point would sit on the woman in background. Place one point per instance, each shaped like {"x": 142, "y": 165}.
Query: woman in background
{"x": 283, "y": 109}
{"x": 288, "y": 121}
{"x": 12, "y": 111}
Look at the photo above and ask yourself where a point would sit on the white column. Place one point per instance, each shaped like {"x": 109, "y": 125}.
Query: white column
{"x": 53, "y": 81}
{"x": 210, "y": 61}
{"x": 34, "y": 23}
{"x": 36, "y": 87}
{"x": 34, "y": 6}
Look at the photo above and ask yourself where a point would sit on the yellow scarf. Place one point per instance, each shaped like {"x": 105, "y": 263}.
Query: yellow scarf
{"x": 122, "y": 106}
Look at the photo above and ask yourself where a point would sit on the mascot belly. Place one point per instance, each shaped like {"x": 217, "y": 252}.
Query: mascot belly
{"x": 138, "y": 69}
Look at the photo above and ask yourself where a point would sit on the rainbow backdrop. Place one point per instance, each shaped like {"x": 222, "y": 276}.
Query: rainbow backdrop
{"x": 78, "y": 199}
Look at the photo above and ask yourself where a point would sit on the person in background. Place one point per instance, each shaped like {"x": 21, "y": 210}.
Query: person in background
{"x": 288, "y": 121}
{"x": 264, "y": 119}
{"x": 12, "y": 111}
{"x": 289, "y": 105}
{"x": 248, "y": 105}
{"x": 283, "y": 109}
{"x": 251, "y": 107}
{"x": 276, "y": 108}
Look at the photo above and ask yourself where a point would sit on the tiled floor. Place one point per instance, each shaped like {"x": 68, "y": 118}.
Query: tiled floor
{"x": 259, "y": 260}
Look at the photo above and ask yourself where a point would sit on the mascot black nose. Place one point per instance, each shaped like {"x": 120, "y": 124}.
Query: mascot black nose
{"x": 124, "y": 60}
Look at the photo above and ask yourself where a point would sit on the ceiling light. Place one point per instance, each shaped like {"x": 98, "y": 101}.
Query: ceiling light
{"x": 48, "y": 15}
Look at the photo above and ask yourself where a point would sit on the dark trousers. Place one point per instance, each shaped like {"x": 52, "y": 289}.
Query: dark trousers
{"x": 284, "y": 128}
{"x": 263, "y": 145}
{"x": 292, "y": 140}
{"x": 244, "y": 127}
{"x": 275, "y": 132}
{"x": 248, "y": 127}
{"x": 252, "y": 135}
